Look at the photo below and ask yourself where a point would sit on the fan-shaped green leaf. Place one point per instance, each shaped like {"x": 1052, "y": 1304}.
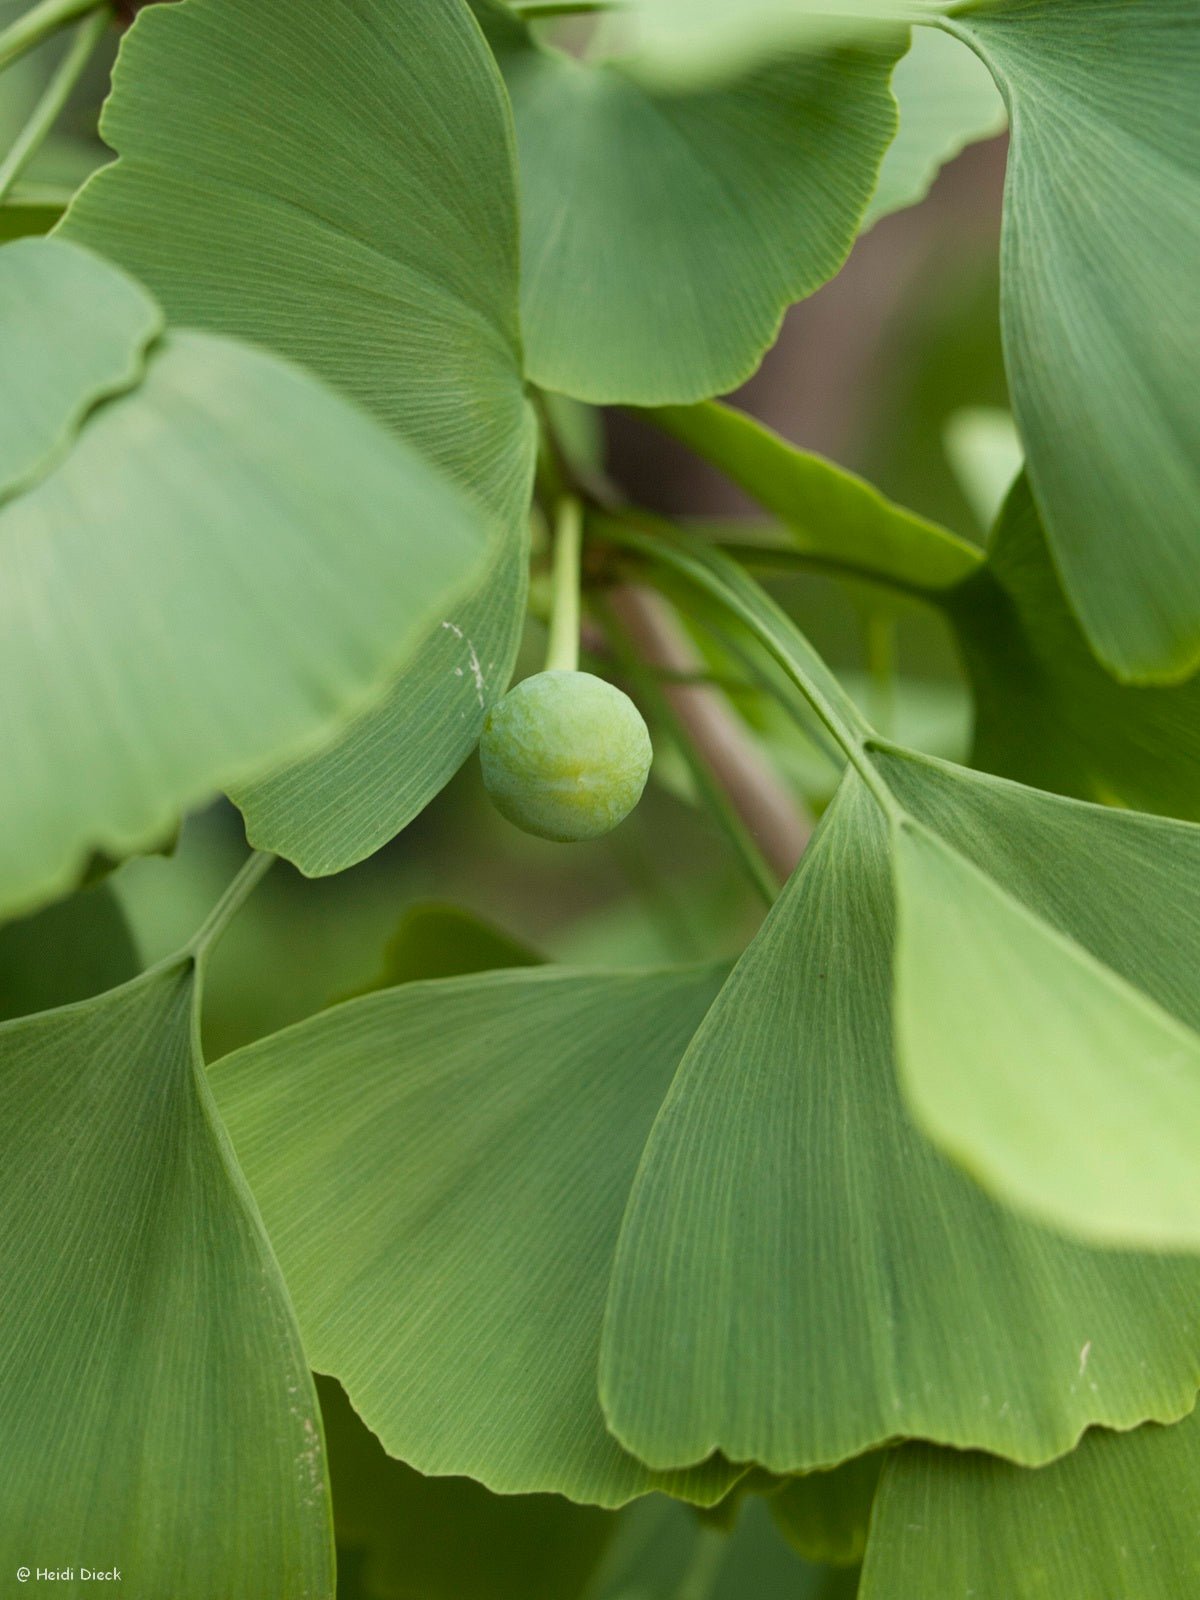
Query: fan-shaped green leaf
{"x": 227, "y": 559}
{"x": 664, "y": 235}
{"x": 158, "y": 1414}
{"x": 466, "y": 1148}
{"x": 1082, "y": 877}
{"x": 447, "y": 1538}
{"x": 337, "y": 183}
{"x": 74, "y": 331}
{"x": 1046, "y": 999}
{"x": 1102, "y": 319}
{"x": 801, "y": 1276}
{"x": 68, "y": 951}
{"x": 948, "y": 100}
{"x": 1115, "y": 1520}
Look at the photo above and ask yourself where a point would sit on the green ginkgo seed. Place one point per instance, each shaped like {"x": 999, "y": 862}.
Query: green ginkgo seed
{"x": 565, "y": 756}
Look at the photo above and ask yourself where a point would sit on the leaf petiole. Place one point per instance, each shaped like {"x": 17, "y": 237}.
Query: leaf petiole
{"x": 537, "y": 9}
{"x": 46, "y": 113}
{"x": 251, "y": 873}
{"x": 562, "y": 654}
{"x": 39, "y": 23}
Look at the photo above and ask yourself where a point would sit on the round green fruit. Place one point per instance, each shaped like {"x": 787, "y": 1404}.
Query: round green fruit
{"x": 565, "y": 756}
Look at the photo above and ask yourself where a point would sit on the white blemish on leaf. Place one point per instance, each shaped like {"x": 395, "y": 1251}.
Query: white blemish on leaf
{"x": 1084, "y": 1354}
{"x": 472, "y": 661}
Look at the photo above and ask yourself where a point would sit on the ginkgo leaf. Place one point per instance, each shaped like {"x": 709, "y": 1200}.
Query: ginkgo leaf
{"x": 467, "y": 1147}
{"x": 1046, "y": 1004}
{"x": 1101, "y": 320}
{"x": 74, "y": 332}
{"x": 1046, "y": 711}
{"x": 273, "y": 164}
{"x": 1116, "y": 1519}
{"x": 664, "y": 235}
{"x": 158, "y": 1412}
{"x": 227, "y": 559}
{"x": 801, "y": 1276}
{"x": 1087, "y": 907}
{"x": 337, "y": 184}
{"x": 421, "y": 1538}
{"x": 71, "y": 950}
{"x": 948, "y": 99}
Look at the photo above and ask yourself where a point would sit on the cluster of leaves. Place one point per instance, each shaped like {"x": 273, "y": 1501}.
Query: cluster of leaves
{"x": 891, "y": 1226}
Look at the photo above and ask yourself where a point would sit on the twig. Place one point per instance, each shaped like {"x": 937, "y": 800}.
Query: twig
{"x": 771, "y": 814}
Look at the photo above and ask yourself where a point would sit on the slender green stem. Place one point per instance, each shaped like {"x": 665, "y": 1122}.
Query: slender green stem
{"x": 222, "y": 914}
{"x": 28, "y": 31}
{"x": 46, "y": 113}
{"x": 562, "y": 8}
{"x": 562, "y": 654}
{"x": 50, "y": 196}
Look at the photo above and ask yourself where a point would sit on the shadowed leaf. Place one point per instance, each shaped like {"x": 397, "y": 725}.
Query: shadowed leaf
{"x": 1047, "y": 713}
{"x": 448, "y": 1538}
{"x": 442, "y": 941}
{"x": 69, "y": 951}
